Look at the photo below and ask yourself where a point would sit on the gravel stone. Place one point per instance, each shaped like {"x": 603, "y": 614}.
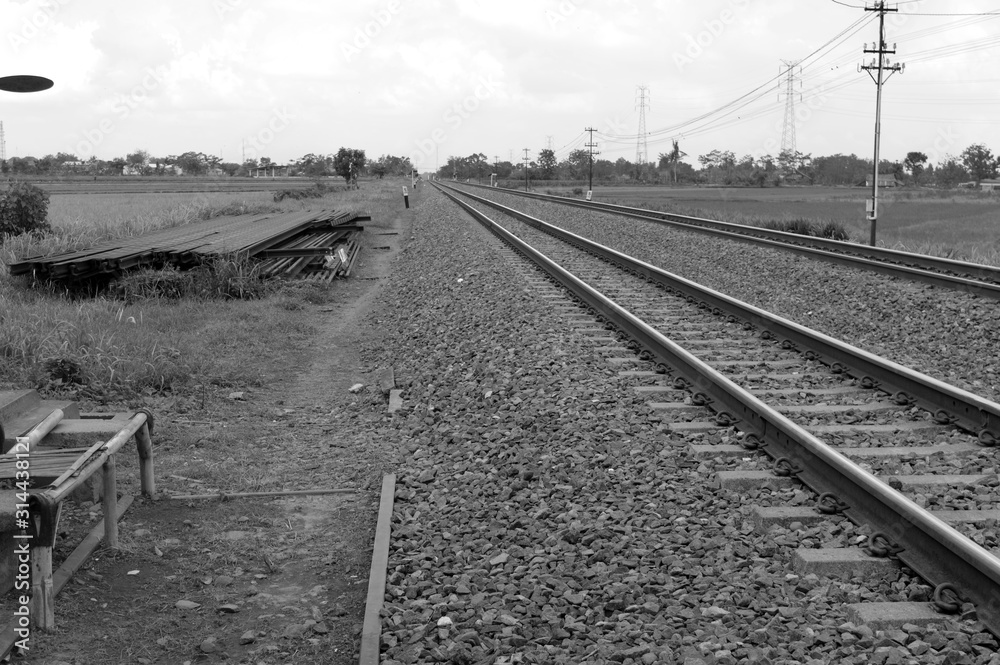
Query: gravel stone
{"x": 541, "y": 508}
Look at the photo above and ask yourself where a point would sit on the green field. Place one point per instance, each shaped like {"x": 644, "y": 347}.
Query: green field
{"x": 960, "y": 224}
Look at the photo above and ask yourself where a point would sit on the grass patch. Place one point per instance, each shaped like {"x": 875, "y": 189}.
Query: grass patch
{"x": 225, "y": 277}
{"x": 805, "y": 227}
{"x": 317, "y": 191}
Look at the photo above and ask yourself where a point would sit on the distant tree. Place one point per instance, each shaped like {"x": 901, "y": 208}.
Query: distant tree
{"x": 47, "y": 164}
{"x": 578, "y": 163}
{"x": 348, "y": 163}
{"x": 312, "y": 165}
{"x": 718, "y": 166}
{"x": 914, "y": 163}
{"x": 63, "y": 157}
{"x": 477, "y": 166}
{"x": 138, "y": 162}
{"x": 115, "y": 166}
{"x": 547, "y": 164}
{"x": 230, "y": 168}
{"x": 718, "y": 159}
{"x": 603, "y": 169}
{"x": 379, "y": 170}
{"x": 950, "y": 172}
{"x": 841, "y": 169}
{"x": 22, "y": 165}
{"x": 192, "y": 163}
{"x": 670, "y": 159}
{"x": 979, "y": 161}
{"x": 392, "y": 165}
{"x": 265, "y": 162}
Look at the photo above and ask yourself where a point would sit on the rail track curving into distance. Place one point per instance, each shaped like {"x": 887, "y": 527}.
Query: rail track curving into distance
{"x": 814, "y": 404}
{"x": 974, "y": 278}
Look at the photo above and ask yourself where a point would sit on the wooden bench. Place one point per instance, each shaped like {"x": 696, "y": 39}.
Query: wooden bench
{"x": 54, "y": 474}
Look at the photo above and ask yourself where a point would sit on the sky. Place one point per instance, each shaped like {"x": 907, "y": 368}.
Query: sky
{"x": 432, "y": 78}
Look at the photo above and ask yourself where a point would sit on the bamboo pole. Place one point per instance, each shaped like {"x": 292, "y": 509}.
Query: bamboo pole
{"x": 81, "y": 459}
{"x": 110, "y": 503}
{"x": 43, "y": 612}
{"x": 38, "y": 432}
{"x": 144, "y": 444}
{"x": 112, "y": 446}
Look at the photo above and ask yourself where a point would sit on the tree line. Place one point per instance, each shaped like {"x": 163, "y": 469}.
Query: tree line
{"x": 721, "y": 167}
{"x": 347, "y": 163}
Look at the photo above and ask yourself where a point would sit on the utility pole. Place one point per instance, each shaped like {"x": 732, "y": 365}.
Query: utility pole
{"x": 883, "y": 70}
{"x": 788, "y": 129}
{"x": 590, "y": 146}
{"x": 525, "y": 169}
{"x": 641, "y": 147}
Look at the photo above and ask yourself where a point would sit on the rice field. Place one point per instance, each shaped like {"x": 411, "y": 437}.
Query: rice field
{"x": 959, "y": 224}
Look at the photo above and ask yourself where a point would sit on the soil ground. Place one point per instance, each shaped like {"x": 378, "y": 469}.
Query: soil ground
{"x": 275, "y": 580}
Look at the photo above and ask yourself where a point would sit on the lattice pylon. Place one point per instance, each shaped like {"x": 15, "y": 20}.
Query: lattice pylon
{"x": 788, "y": 129}
{"x": 641, "y": 146}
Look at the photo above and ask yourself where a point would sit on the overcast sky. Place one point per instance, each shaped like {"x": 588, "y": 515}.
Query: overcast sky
{"x": 432, "y": 78}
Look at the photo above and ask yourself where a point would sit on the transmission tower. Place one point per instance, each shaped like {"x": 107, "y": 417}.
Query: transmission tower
{"x": 788, "y": 130}
{"x": 882, "y": 69}
{"x": 641, "y": 147}
{"x": 3, "y": 144}
{"x": 548, "y": 141}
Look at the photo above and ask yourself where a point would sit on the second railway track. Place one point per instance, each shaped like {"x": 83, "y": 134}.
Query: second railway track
{"x": 974, "y": 278}
{"x": 874, "y": 412}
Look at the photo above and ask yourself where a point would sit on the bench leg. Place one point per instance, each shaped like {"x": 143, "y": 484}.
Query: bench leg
{"x": 110, "y": 503}
{"x": 43, "y": 612}
{"x": 144, "y": 443}
{"x": 46, "y": 518}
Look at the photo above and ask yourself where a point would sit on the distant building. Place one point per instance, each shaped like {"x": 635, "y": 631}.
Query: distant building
{"x": 991, "y": 185}
{"x": 884, "y": 180}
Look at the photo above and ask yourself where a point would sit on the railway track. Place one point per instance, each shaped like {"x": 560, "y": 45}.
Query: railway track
{"x": 838, "y": 419}
{"x": 978, "y": 279}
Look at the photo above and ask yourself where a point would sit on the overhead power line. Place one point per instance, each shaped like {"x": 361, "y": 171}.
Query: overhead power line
{"x": 743, "y": 100}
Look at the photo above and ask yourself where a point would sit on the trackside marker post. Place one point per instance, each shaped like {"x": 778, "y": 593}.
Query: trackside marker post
{"x": 406, "y": 198}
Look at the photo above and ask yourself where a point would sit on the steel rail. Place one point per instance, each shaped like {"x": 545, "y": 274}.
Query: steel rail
{"x": 982, "y": 280}
{"x": 932, "y": 548}
{"x": 948, "y": 403}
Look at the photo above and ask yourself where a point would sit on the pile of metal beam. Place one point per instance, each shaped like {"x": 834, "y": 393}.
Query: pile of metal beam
{"x": 319, "y": 245}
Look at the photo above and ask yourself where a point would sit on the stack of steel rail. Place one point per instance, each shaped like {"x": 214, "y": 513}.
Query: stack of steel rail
{"x": 321, "y": 244}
